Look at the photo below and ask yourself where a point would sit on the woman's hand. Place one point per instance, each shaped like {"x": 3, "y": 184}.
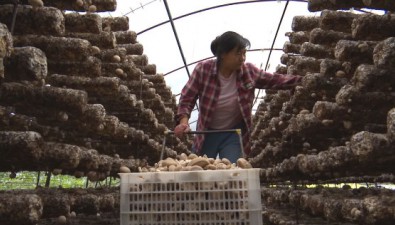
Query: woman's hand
{"x": 180, "y": 129}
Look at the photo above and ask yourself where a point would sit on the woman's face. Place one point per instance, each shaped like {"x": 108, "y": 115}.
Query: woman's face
{"x": 234, "y": 59}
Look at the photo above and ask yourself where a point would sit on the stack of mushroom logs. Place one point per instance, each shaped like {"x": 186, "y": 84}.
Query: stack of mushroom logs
{"x": 338, "y": 126}
{"x": 77, "y": 97}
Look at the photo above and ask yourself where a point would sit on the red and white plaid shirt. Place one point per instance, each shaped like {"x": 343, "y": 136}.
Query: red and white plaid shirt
{"x": 204, "y": 84}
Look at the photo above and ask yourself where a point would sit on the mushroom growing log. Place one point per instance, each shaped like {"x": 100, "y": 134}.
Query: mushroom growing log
{"x": 38, "y": 21}
{"x": 357, "y": 52}
{"x": 315, "y": 50}
{"x": 100, "y": 5}
{"x": 337, "y": 21}
{"x": 383, "y": 54}
{"x": 71, "y": 49}
{"x": 116, "y": 23}
{"x": 304, "y": 23}
{"x": 318, "y": 5}
{"x": 90, "y": 67}
{"x": 20, "y": 209}
{"x": 327, "y": 37}
{"x": 298, "y": 37}
{"x": 373, "y": 27}
{"x": 26, "y": 64}
{"x": 19, "y": 148}
{"x": 87, "y": 23}
{"x": 6, "y": 42}
{"x": 126, "y": 37}
{"x": 103, "y": 40}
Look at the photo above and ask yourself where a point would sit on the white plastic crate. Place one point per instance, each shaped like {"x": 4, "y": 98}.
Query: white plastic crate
{"x": 209, "y": 197}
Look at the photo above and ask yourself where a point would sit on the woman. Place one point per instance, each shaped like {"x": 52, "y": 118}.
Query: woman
{"x": 225, "y": 87}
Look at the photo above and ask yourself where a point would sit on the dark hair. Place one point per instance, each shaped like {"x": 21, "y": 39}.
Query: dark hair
{"x": 228, "y": 41}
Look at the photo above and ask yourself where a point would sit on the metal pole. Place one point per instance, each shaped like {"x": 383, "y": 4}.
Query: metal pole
{"x": 14, "y": 12}
{"x": 176, "y": 36}
{"x": 38, "y": 178}
{"x": 48, "y": 181}
{"x": 274, "y": 41}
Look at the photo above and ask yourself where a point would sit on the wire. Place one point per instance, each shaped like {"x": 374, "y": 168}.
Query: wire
{"x": 210, "y": 8}
{"x": 176, "y": 36}
{"x": 274, "y": 41}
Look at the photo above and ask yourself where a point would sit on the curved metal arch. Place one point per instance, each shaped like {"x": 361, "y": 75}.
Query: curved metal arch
{"x": 211, "y": 8}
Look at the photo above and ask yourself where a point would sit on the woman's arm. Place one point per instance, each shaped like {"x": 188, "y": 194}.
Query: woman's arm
{"x": 265, "y": 80}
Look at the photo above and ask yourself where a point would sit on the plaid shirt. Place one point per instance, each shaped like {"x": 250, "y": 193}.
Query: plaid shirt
{"x": 204, "y": 84}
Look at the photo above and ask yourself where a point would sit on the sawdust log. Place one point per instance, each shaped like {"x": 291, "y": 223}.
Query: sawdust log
{"x": 101, "y": 5}
{"x": 360, "y": 155}
{"x": 90, "y": 67}
{"x": 379, "y": 209}
{"x": 103, "y": 40}
{"x": 336, "y": 204}
{"x": 19, "y": 148}
{"x": 316, "y": 50}
{"x": 42, "y": 20}
{"x": 327, "y": 37}
{"x": 26, "y": 63}
{"x": 384, "y": 54}
{"x": 126, "y": 37}
{"x": 328, "y": 110}
{"x": 161, "y": 88}
{"x": 351, "y": 96}
{"x": 141, "y": 88}
{"x": 370, "y": 78}
{"x": 318, "y": 5}
{"x": 303, "y": 124}
{"x": 288, "y": 47}
{"x": 337, "y": 21}
{"x": 61, "y": 98}
{"x": 156, "y": 79}
{"x": 373, "y": 27}
{"x": 55, "y": 204}
{"x": 6, "y": 42}
{"x": 111, "y": 55}
{"x": 138, "y": 60}
{"x": 57, "y": 48}
{"x": 58, "y": 155}
{"x": 298, "y": 37}
{"x": 149, "y": 69}
{"x": 357, "y": 52}
{"x": 132, "y": 49}
{"x": 369, "y": 146}
{"x": 125, "y": 71}
{"x": 14, "y": 121}
{"x": 87, "y": 23}
{"x": 114, "y": 24}
{"x": 94, "y": 86}
{"x": 301, "y": 65}
{"x": 322, "y": 86}
{"x": 20, "y": 209}
{"x": 329, "y": 67}
{"x": 304, "y": 23}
